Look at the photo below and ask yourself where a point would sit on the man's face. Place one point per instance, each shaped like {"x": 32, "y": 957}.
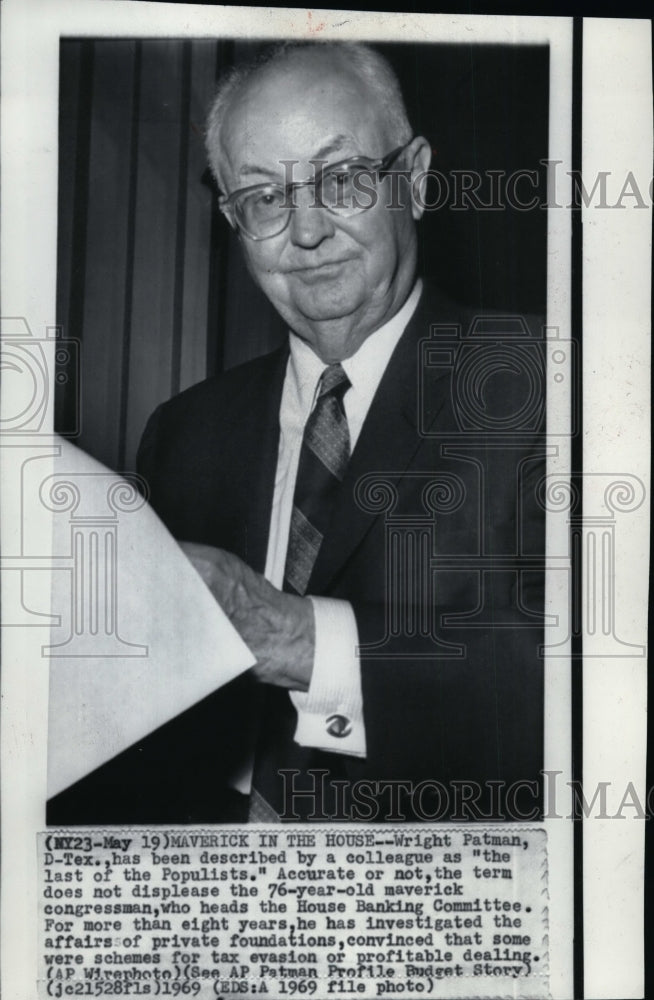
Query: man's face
{"x": 334, "y": 280}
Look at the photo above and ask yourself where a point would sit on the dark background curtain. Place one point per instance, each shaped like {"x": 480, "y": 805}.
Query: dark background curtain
{"x": 150, "y": 279}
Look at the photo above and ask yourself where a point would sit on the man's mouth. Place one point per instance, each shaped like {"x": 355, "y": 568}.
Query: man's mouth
{"x": 320, "y": 272}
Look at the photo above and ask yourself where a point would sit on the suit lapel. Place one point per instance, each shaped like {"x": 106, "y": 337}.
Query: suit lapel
{"x": 260, "y": 456}
{"x": 389, "y": 440}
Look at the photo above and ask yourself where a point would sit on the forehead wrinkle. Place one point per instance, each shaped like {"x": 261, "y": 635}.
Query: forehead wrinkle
{"x": 332, "y": 145}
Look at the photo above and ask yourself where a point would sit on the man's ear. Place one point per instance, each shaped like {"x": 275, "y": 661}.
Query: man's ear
{"x": 227, "y": 214}
{"x": 418, "y": 158}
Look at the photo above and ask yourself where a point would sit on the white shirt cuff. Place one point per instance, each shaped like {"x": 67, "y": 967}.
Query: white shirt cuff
{"x": 330, "y": 713}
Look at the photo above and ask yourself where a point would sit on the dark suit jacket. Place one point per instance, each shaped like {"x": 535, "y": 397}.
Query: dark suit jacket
{"x": 437, "y": 541}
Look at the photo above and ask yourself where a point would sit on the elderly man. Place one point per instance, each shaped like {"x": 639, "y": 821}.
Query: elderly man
{"x": 332, "y": 495}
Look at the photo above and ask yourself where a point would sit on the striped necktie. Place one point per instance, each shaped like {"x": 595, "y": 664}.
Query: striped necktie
{"x": 324, "y": 455}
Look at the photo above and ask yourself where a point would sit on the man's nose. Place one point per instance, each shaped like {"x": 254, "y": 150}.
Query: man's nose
{"x": 310, "y": 222}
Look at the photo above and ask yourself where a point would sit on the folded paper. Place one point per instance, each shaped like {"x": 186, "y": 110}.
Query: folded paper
{"x": 139, "y": 637}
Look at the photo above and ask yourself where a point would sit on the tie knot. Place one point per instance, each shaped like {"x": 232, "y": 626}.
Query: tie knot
{"x": 333, "y": 378}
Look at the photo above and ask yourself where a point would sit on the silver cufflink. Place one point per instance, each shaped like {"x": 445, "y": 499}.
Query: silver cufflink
{"x": 339, "y": 725}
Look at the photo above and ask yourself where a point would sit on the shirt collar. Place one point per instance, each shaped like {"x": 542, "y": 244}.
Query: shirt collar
{"x": 364, "y": 368}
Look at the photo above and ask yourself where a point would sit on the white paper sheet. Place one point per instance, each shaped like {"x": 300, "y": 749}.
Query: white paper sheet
{"x": 140, "y": 637}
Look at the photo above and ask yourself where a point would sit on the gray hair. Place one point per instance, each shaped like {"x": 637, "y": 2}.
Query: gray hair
{"x": 369, "y": 65}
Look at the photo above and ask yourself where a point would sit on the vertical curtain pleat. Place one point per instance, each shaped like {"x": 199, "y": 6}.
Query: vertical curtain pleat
{"x": 196, "y": 262}
{"x": 106, "y": 287}
{"x": 66, "y": 394}
{"x": 155, "y": 237}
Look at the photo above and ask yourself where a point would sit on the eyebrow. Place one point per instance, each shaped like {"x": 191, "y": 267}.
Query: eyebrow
{"x": 332, "y": 145}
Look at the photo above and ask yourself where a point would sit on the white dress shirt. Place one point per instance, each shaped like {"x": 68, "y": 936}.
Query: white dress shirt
{"x": 335, "y": 686}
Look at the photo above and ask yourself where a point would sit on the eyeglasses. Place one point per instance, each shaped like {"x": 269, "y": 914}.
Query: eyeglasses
{"x": 264, "y": 210}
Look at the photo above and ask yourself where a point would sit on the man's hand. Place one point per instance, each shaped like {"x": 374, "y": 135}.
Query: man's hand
{"x": 279, "y": 628}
